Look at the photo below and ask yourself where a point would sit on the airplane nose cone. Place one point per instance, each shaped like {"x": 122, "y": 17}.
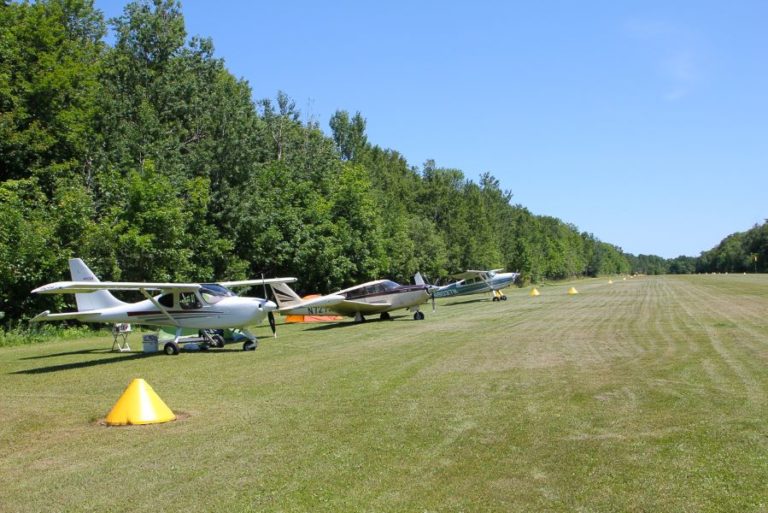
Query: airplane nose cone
{"x": 268, "y": 306}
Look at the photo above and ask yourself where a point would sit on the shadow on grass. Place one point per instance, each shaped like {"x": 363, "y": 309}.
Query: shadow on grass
{"x": 119, "y": 357}
{"x": 101, "y": 350}
{"x": 468, "y": 301}
{"x": 82, "y": 365}
{"x": 347, "y": 324}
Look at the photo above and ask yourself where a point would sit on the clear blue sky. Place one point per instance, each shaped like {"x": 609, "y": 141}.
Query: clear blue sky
{"x": 644, "y": 123}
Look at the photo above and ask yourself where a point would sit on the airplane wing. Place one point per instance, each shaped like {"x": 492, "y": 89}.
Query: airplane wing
{"x": 352, "y": 307}
{"x": 267, "y": 281}
{"x": 80, "y": 287}
{"x": 464, "y": 275}
{"x": 472, "y": 273}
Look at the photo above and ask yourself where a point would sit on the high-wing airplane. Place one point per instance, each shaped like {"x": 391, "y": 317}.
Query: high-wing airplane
{"x": 202, "y": 306}
{"x": 374, "y": 297}
{"x": 476, "y": 282}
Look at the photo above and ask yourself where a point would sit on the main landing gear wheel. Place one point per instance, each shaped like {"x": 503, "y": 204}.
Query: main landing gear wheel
{"x": 495, "y": 298}
{"x": 171, "y": 348}
{"x": 359, "y": 318}
{"x": 418, "y": 316}
{"x": 385, "y": 316}
{"x": 250, "y": 345}
{"x": 503, "y": 298}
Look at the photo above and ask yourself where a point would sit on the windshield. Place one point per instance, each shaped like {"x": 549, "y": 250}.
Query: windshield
{"x": 212, "y": 293}
{"x": 372, "y": 290}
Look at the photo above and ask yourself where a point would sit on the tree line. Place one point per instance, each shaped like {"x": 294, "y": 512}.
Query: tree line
{"x": 147, "y": 158}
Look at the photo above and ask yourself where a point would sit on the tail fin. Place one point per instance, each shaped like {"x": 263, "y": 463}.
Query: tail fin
{"x": 419, "y": 279}
{"x": 284, "y": 295}
{"x": 91, "y": 300}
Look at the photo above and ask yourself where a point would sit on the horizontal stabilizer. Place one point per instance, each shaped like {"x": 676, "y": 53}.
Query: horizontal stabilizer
{"x": 329, "y": 300}
{"x": 80, "y": 316}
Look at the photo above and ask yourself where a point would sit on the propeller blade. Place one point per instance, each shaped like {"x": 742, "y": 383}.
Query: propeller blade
{"x": 270, "y": 314}
{"x": 431, "y": 290}
{"x": 271, "y": 317}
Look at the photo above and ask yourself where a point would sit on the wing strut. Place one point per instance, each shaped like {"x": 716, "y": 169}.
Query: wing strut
{"x": 158, "y": 305}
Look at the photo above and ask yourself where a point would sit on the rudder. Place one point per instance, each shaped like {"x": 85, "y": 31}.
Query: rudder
{"x": 91, "y": 300}
{"x": 284, "y": 295}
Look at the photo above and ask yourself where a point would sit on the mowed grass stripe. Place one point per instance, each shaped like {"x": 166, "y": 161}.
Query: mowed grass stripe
{"x": 729, "y": 328}
{"x": 616, "y": 399}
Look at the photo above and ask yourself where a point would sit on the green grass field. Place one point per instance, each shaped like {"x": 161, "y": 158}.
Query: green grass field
{"x": 649, "y": 394}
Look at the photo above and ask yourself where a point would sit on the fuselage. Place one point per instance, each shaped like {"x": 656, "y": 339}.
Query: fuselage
{"x": 229, "y": 313}
{"x": 380, "y": 296}
{"x": 211, "y": 307}
{"x": 477, "y": 285}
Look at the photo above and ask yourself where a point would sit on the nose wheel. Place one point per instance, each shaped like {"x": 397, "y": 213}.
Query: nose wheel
{"x": 418, "y": 316}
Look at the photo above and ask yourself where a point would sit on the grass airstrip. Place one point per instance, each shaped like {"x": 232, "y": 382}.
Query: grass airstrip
{"x": 647, "y": 394}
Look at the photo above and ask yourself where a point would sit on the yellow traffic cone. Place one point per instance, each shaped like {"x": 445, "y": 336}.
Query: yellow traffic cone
{"x": 534, "y": 292}
{"x": 572, "y": 291}
{"x": 139, "y": 404}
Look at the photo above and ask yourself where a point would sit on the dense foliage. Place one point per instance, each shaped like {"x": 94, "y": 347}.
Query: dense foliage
{"x": 739, "y": 252}
{"x": 148, "y": 159}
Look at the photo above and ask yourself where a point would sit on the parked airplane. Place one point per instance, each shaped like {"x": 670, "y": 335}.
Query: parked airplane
{"x": 374, "y": 297}
{"x": 202, "y": 306}
{"x": 476, "y": 282}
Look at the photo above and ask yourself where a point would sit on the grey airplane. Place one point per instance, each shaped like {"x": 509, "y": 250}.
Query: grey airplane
{"x": 477, "y": 282}
{"x": 374, "y": 297}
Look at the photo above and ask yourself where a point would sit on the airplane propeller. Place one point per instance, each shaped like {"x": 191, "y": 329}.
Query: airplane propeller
{"x": 431, "y": 290}
{"x": 270, "y": 314}
{"x": 271, "y": 317}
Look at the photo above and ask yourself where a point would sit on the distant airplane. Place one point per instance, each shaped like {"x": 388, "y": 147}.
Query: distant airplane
{"x": 202, "y": 306}
{"x": 477, "y": 282}
{"x": 374, "y": 297}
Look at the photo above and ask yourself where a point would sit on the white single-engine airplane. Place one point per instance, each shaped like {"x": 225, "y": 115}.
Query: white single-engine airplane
{"x": 476, "y": 282}
{"x": 374, "y": 297}
{"x": 202, "y": 306}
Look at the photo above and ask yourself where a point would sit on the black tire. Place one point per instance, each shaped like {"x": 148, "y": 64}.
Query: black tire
{"x": 385, "y": 316}
{"x": 418, "y": 316}
{"x": 218, "y": 341}
{"x": 495, "y": 298}
{"x": 250, "y": 345}
{"x": 171, "y": 348}
{"x": 503, "y": 298}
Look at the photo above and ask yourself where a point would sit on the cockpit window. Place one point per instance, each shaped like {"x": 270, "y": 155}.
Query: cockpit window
{"x": 212, "y": 293}
{"x": 189, "y": 301}
{"x": 166, "y": 300}
{"x": 377, "y": 288}
{"x": 217, "y": 290}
